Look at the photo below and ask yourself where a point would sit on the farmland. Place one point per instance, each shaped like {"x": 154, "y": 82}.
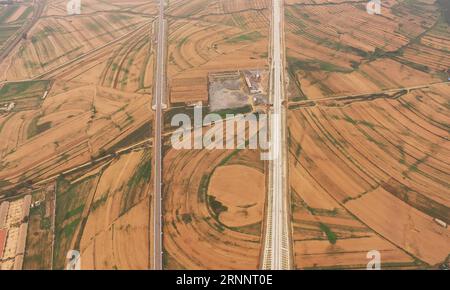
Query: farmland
{"x": 72, "y": 126}
{"x": 75, "y": 115}
{"x": 54, "y": 41}
{"x": 368, "y": 133}
{"x": 208, "y": 222}
{"x": 337, "y": 50}
{"x": 212, "y": 36}
{"x": 108, "y": 207}
{"x": 58, "y": 7}
{"x": 371, "y": 175}
{"x": 214, "y": 201}
{"x": 366, "y": 117}
{"x": 12, "y": 18}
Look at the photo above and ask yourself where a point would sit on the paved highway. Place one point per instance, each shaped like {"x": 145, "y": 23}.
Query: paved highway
{"x": 158, "y": 106}
{"x": 277, "y": 246}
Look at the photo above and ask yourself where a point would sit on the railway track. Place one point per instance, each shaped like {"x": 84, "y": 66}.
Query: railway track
{"x": 277, "y": 245}
{"x": 158, "y": 105}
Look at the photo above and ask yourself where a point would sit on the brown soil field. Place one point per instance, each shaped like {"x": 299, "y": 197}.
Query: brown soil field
{"x": 106, "y": 215}
{"x": 12, "y": 17}
{"x": 210, "y": 222}
{"x": 186, "y": 90}
{"x": 130, "y": 68}
{"x": 242, "y": 197}
{"x": 58, "y": 7}
{"x": 18, "y": 14}
{"x": 54, "y": 41}
{"x": 371, "y": 175}
{"x": 89, "y": 135}
{"x": 339, "y": 49}
{"x": 75, "y": 123}
{"x": 126, "y": 64}
{"x": 366, "y": 173}
{"x": 202, "y": 8}
{"x": 207, "y": 36}
{"x": 413, "y": 230}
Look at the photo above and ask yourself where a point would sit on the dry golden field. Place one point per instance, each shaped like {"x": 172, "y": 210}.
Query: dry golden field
{"x": 81, "y": 124}
{"x": 74, "y": 124}
{"x": 12, "y": 18}
{"x": 213, "y": 200}
{"x": 106, "y": 213}
{"x": 368, "y": 128}
{"x": 207, "y": 36}
{"x": 54, "y": 41}
{"x": 58, "y": 7}
{"x": 213, "y": 209}
{"x": 368, "y": 133}
{"x": 339, "y": 49}
{"x": 371, "y": 175}
{"x": 100, "y": 69}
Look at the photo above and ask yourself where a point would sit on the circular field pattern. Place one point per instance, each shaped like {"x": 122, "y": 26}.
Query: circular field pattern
{"x": 240, "y": 199}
